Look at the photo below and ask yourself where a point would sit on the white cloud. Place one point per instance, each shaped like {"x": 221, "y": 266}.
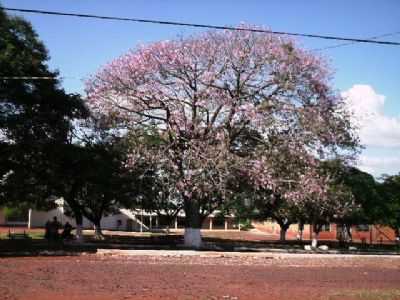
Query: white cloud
{"x": 375, "y": 128}
{"x": 380, "y": 133}
{"x": 379, "y": 165}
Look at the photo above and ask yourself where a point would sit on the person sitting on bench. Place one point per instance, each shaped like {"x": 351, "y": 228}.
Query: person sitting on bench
{"x": 66, "y": 234}
{"x": 52, "y": 229}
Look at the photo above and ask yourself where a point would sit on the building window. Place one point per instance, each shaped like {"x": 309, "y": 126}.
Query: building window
{"x": 362, "y": 227}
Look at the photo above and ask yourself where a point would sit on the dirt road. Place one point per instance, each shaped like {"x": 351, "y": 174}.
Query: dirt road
{"x": 199, "y": 276}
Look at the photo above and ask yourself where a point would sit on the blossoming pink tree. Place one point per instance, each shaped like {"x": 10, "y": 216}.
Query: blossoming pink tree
{"x": 305, "y": 190}
{"x": 212, "y": 95}
{"x": 319, "y": 200}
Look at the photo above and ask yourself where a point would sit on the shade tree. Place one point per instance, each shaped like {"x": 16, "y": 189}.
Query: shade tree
{"x": 363, "y": 189}
{"x": 35, "y": 114}
{"x": 91, "y": 175}
{"x": 202, "y": 93}
{"x": 390, "y": 189}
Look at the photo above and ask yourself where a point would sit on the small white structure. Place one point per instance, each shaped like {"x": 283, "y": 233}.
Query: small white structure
{"x": 125, "y": 219}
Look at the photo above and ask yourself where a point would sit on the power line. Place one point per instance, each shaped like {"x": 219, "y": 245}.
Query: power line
{"x": 173, "y": 23}
{"x": 352, "y": 43}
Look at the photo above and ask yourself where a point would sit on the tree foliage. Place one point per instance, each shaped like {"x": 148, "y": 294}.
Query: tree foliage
{"x": 226, "y": 104}
{"x": 390, "y": 189}
{"x": 362, "y": 187}
{"x": 35, "y": 114}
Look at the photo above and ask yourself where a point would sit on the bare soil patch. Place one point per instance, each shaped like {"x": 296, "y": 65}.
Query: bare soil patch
{"x": 202, "y": 276}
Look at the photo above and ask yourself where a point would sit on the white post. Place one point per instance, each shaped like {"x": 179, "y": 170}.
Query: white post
{"x": 157, "y": 221}
{"x": 211, "y": 223}
{"x": 62, "y": 211}
{"x": 176, "y": 223}
{"x": 226, "y": 224}
{"x": 141, "y": 220}
{"x": 29, "y": 218}
{"x": 151, "y": 222}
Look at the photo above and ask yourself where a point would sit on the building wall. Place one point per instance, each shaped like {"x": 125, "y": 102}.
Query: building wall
{"x": 374, "y": 234}
{"x": 122, "y": 221}
{"x": 39, "y": 218}
{"x": 128, "y": 221}
{"x": 212, "y": 223}
{"x": 273, "y": 229}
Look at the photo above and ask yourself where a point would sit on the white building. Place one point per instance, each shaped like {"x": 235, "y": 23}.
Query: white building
{"x": 123, "y": 220}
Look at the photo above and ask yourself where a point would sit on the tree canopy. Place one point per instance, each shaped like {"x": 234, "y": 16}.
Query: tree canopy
{"x": 212, "y": 95}
{"x": 35, "y": 114}
{"x": 390, "y": 189}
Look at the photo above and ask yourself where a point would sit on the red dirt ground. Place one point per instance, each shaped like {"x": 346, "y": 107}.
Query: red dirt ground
{"x": 202, "y": 276}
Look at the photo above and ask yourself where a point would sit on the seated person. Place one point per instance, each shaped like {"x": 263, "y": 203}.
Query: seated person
{"x": 66, "y": 234}
{"x": 53, "y": 228}
{"x": 47, "y": 230}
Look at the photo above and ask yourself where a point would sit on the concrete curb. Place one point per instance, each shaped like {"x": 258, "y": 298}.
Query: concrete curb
{"x": 266, "y": 254}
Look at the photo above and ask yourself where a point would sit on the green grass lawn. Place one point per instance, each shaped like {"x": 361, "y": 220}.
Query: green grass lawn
{"x": 32, "y": 235}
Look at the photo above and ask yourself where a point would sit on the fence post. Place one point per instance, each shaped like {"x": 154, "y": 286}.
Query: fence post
{"x": 151, "y": 222}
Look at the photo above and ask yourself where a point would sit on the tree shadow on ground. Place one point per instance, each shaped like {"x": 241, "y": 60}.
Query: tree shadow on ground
{"x": 32, "y": 247}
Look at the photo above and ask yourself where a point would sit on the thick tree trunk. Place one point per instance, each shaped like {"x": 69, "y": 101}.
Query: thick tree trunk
{"x": 192, "y": 236}
{"x": 284, "y": 229}
{"x": 282, "y": 234}
{"x": 314, "y": 241}
{"x": 78, "y": 232}
{"x": 315, "y": 233}
{"x": 284, "y": 225}
{"x": 98, "y": 234}
{"x": 301, "y": 235}
{"x": 349, "y": 233}
{"x": 79, "y": 222}
{"x": 301, "y": 230}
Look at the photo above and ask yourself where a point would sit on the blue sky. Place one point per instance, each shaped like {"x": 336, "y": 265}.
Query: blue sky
{"x": 367, "y": 73}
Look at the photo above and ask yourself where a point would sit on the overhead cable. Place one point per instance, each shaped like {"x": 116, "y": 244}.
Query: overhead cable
{"x": 209, "y": 26}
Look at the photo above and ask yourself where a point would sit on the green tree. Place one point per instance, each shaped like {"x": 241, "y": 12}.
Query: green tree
{"x": 96, "y": 183}
{"x": 390, "y": 188}
{"x": 91, "y": 175}
{"x": 35, "y": 114}
{"x": 363, "y": 188}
